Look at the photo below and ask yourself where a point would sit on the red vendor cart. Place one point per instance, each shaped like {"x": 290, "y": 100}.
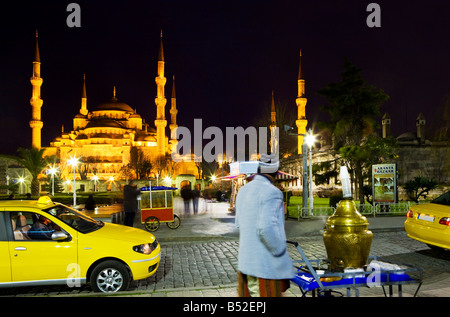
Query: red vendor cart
{"x": 157, "y": 207}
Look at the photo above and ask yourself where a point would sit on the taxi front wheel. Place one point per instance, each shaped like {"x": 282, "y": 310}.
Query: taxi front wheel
{"x": 110, "y": 277}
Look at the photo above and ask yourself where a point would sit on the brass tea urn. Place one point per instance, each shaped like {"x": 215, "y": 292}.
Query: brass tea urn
{"x": 346, "y": 235}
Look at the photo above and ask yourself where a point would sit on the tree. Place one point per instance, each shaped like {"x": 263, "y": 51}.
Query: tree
{"x": 419, "y": 187}
{"x": 159, "y": 164}
{"x": 324, "y": 171}
{"x": 139, "y": 163}
{"x": 209, "y": 168}
{"x": 353, "y": 106}
{"x": 33, "y": 160}
{"x": 47, "y": 186}
{"x": 126, "y": 172}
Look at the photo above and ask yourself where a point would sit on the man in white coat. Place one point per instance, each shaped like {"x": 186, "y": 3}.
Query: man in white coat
{"x": 264, "y": 265}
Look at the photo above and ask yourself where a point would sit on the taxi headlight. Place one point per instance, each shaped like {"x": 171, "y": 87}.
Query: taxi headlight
{"x": 146, "y": 248}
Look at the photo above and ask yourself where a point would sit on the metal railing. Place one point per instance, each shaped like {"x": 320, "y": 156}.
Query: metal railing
{"x": 380, "y": 209}
{"x": 316, "y": 212}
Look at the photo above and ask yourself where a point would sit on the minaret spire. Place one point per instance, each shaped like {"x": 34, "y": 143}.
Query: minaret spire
{"x": 301, "y": 105}
{"x": 36, "y": 101}
{"x": 173, "y": 108}
{"x": 173, "y": 115}
{"x": 300, "y": 69}
{"x": 273, "y": 113}
{"x": 37, "y": 57}
{"x": 114, "y": 98}
{"x": 83, "y": 109}
{"x": 160, "y": 102}
{"x": 173, "y": 87}
{"x": 161, "y": 50}
{"x": 273, "y": 127}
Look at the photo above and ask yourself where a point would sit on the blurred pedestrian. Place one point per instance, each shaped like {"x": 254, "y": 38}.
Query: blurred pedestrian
{"x": 130, "y": 205}
{"x": 219, "y": 195}
{"x": 90, "y": 203}
{"x": 186, "y": 194}
{"x": 195, "y": 197}
{"x": 264, "y": 265}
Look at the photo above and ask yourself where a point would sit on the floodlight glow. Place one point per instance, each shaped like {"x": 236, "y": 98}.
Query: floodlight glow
{"x": 73, "y": 161}
{"x": 310, "y": 139}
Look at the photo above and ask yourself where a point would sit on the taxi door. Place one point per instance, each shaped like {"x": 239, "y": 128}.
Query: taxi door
{"x": 37, "y": 258}
{"x": 5, "y": 262}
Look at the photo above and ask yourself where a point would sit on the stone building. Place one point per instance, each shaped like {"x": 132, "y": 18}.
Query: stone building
{"x": 419, "y": 154}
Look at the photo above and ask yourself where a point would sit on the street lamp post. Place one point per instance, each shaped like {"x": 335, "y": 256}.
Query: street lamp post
{"x": 305, "y": 177}
{"x": 311, "y": 199}
{"x": 52, "y": 172}
{"x": 288, "y": 130}
{"x": 168, "y": 180}
{"x": 21, "y": 181}
{"x": 111, "y": 182}
{"x": 95, "y": 179}
{"x": 310, "y": 140}
{"x": 73, "y": 161}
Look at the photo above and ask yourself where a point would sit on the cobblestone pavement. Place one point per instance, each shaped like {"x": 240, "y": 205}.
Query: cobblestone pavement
{"x": 209, "y": 268}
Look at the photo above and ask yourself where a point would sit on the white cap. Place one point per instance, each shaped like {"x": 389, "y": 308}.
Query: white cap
{"x": 265, "y": 167}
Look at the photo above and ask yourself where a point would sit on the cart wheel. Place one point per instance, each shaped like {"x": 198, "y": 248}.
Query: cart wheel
{"x": 151, "y": 223}
{"x": 175, "y": 224}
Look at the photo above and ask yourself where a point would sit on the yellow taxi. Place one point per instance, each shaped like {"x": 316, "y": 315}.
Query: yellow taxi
{"x": 44, "y": 243}
{"x": 430, "y": 223}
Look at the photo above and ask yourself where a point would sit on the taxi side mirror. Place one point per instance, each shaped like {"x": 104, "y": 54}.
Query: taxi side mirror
{"x": 60, "y": 236}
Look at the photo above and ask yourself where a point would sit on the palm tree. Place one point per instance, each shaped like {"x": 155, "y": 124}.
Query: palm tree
{"x": 33, "y": 160}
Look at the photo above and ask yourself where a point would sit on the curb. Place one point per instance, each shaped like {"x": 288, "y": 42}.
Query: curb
{"x": 196, "y": 239}
{"x": 165, "y": 291}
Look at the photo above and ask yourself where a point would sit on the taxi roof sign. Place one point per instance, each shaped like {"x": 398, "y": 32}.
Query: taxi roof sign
{"x": 45, "y": 200}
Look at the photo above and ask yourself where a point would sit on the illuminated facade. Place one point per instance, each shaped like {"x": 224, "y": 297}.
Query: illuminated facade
{"x": 103, "y": 138}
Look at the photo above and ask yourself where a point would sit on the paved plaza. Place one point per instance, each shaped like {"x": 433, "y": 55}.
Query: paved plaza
{"x": 199, "y": 259}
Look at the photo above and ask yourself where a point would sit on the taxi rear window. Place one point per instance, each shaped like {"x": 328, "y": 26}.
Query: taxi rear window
{"x": 443, "y": 199}
{"x": 75, "y": 219}
{"x": 3, "y": 234}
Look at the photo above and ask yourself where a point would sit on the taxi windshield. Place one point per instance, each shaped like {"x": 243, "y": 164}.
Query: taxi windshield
{"x": 75, "y": 219}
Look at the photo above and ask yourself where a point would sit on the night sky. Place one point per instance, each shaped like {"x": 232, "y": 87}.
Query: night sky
{"x": 227, "y": 57}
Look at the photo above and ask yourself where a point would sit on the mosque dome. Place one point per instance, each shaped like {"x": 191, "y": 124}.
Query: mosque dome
{"x": 407, "y": 136}
{"x": 114, "y": 105}
{"x": 146, "y": 138}
{"x": 82, "y": 136}
{"x": 104, "y": 123}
